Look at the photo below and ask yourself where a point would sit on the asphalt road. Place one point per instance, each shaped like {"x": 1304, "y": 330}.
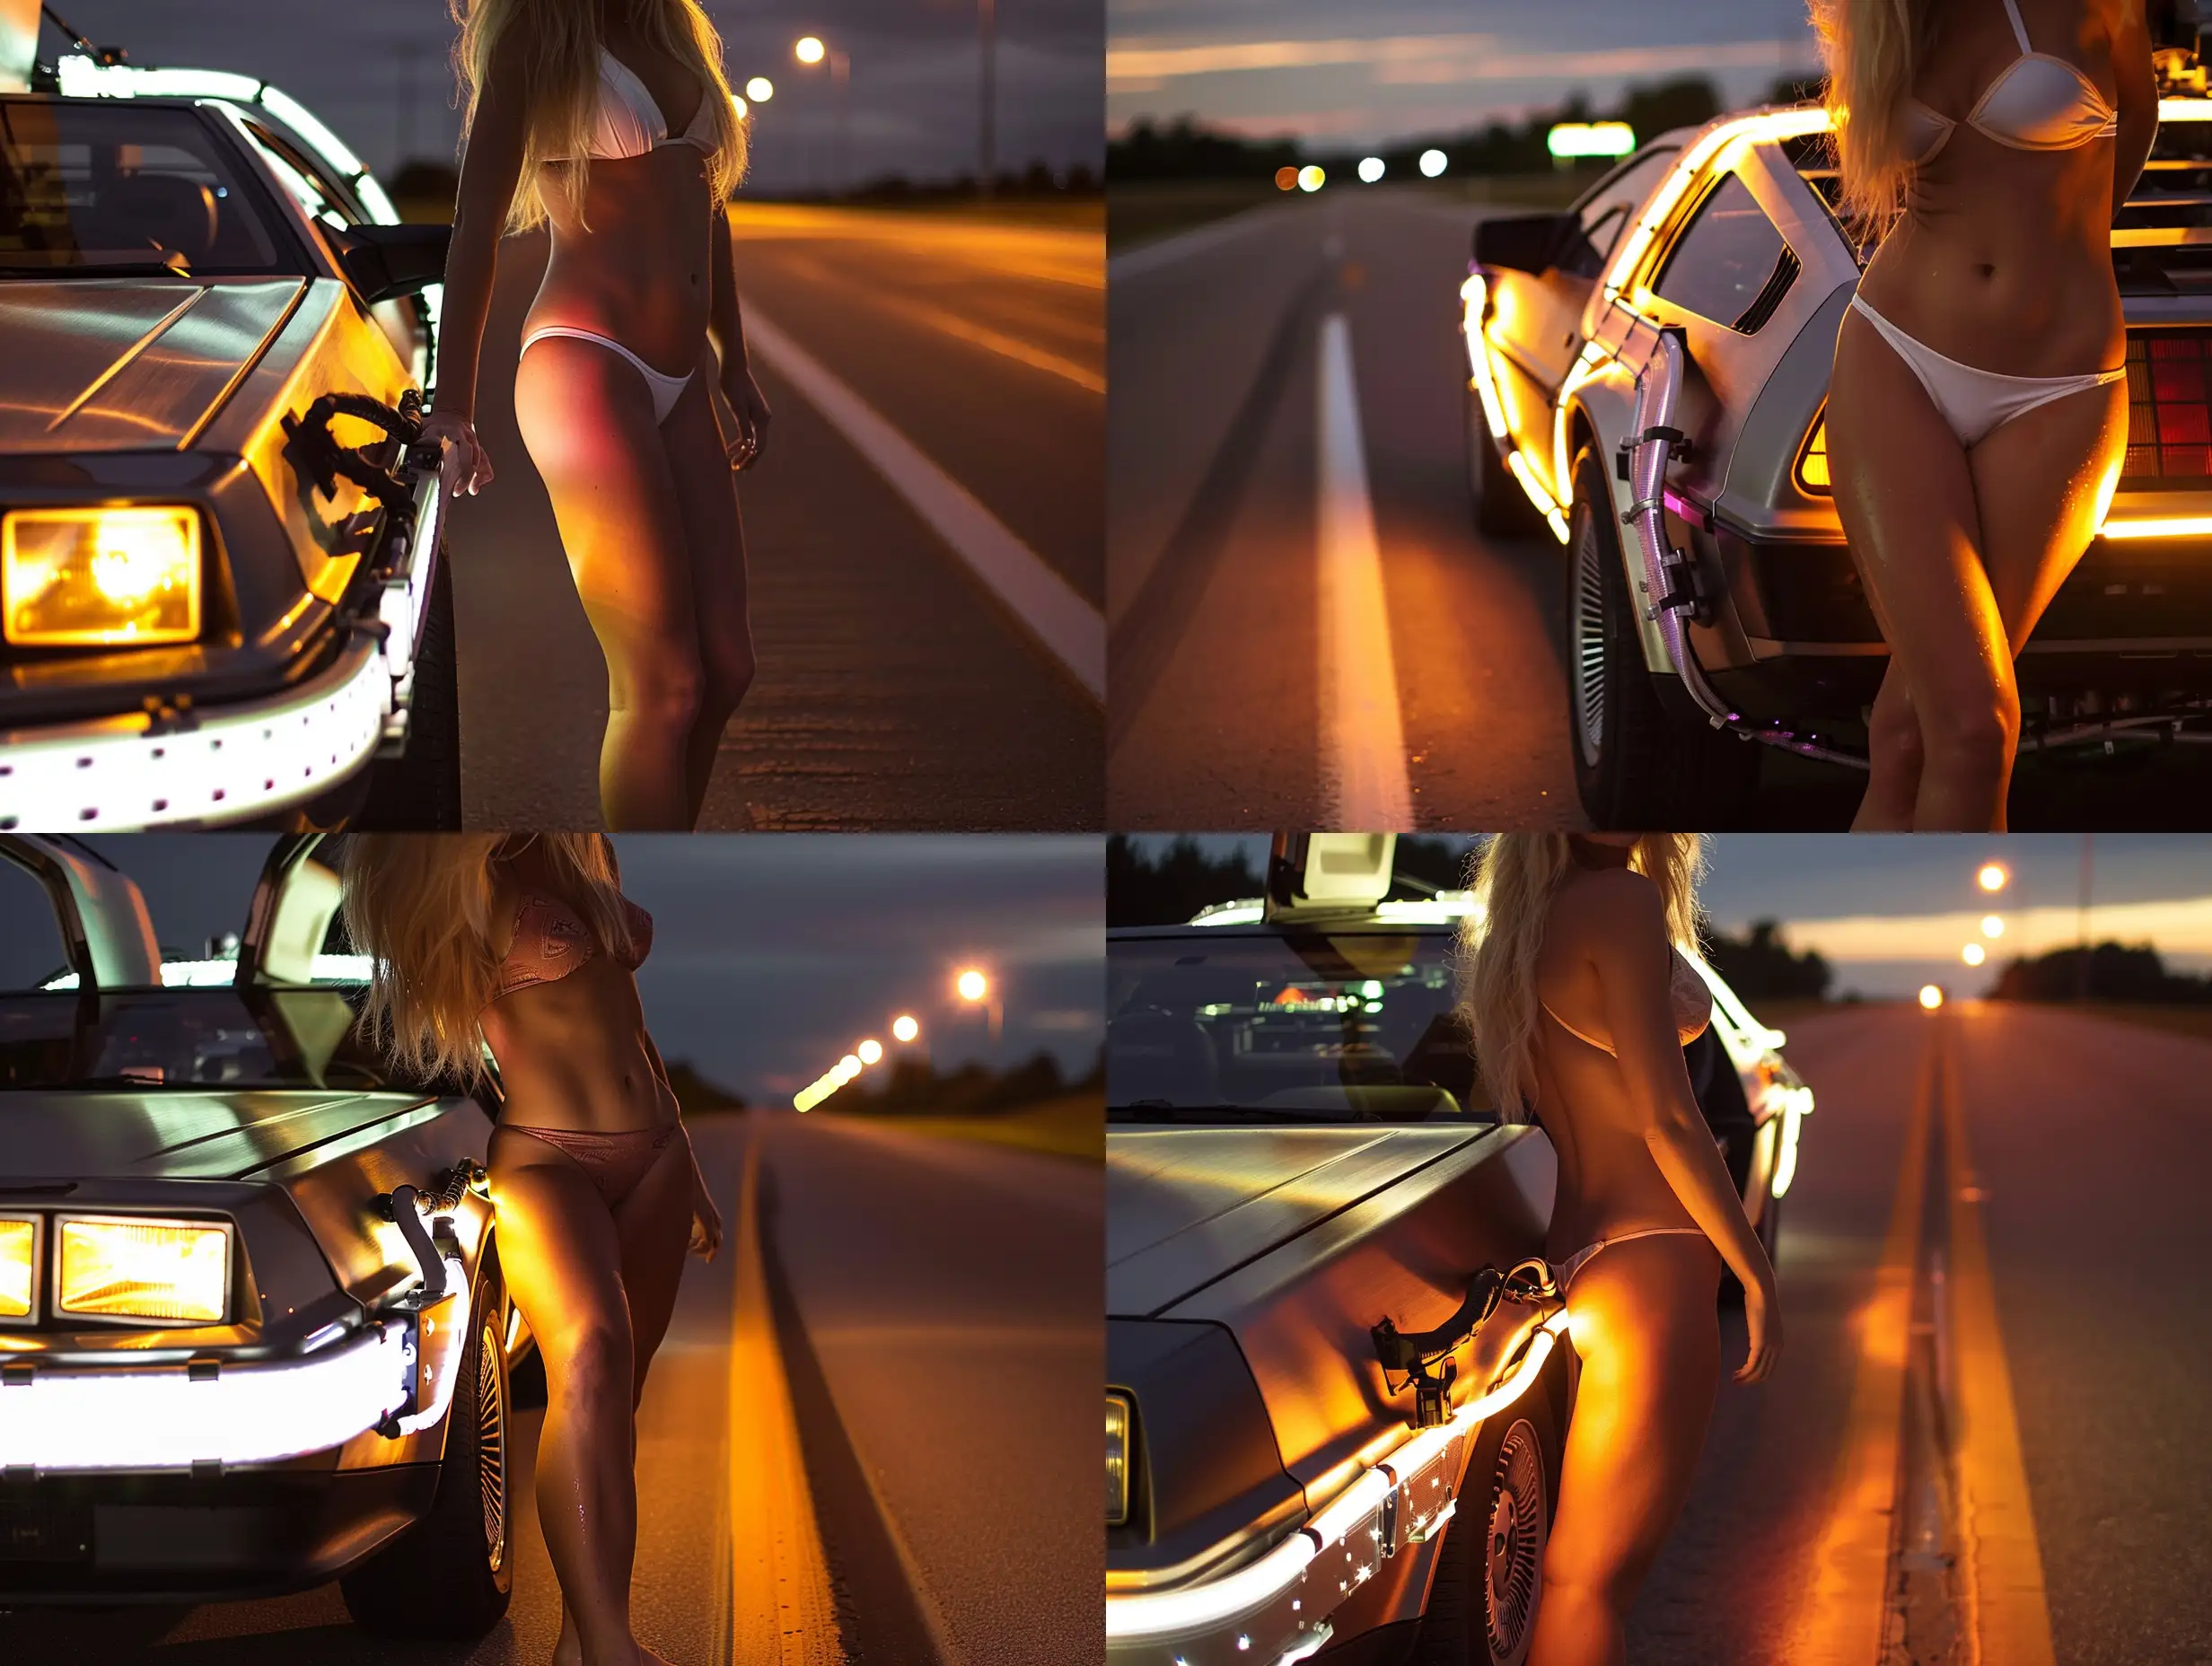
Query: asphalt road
{"x": 1221, "y": 716}
{"x": 2066, "y": 1326}
{"x": 896, "y": 689}
{"x": 915, "y": 1348}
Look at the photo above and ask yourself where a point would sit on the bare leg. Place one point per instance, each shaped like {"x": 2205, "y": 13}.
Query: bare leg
{"x": 561, "y": 1254}
{"x": 1644, "y": 1324}
{"x": 587, "y": 418}
{"x": 707, "y": 502}
{"x": 2043, "y": 484}
{"x": 1907, "y": 499}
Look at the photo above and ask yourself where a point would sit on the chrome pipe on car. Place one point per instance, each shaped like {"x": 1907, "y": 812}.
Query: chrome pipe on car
{"x": 1668, "y": 574}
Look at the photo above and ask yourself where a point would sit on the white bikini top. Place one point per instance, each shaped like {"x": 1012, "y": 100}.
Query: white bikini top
{"x": 2037, "y": 102}
{"x": 1692, "y": 1001}
{"x": 630, "y": 123}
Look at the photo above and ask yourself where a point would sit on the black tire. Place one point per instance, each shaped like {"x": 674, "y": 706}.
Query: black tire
{"x": 451, "y": 1575}
{"x": 1639, "y": 765}
{"x": 1501, "y": 509}
{"x": 420, "y": 790}
{"x": 1482, "y": 1600}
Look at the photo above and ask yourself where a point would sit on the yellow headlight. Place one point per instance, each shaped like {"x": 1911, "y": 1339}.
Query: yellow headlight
{"x": 126, "y": 1266}
{"x": 19, "y": 1267}
{"x": 1813, "y": 462}
{"x": 1117, "y": 1459}
{"x": 112, "y": 576}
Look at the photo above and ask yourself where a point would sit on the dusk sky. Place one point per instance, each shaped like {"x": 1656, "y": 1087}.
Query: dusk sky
{"x": 1893, "y": 912}
{"x": 773, "y": 953}
{"x": 1397, "y": 69}
{"x": 914, "y": 64}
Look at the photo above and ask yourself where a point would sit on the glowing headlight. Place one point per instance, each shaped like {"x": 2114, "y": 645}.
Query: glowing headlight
{"x": 113, "y": 577}
{"x": 135, "y": 1269}
{"x": 19, "y": 1266}
{"x": 1117, "y": 1421}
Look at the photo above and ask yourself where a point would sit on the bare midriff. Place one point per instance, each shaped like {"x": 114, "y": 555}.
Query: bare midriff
{"x": 574, "y": 1054}
{"x": 1609, "y": 1182}
{"x": 634, "y": 267}
{"x": 2003, "y": 259}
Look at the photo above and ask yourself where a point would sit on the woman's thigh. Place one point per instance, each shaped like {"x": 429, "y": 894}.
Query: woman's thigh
{"x": 2043, "y": 482}
{"x": 652, "y": 1226}
{"x": 587, "y": 418}
{"x": 557, "y": 1244}
{"x": 705, "y": 499}
{"x": 1906, "y": 496}
{"x": 1645, "y": 1326}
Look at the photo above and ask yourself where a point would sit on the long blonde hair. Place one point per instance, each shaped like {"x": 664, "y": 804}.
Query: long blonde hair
{"x": 560, "y": 88}
{"x": 1499, "y": 942}
{"x": 419, "y": 905}
{"x": 1873, "y": 50}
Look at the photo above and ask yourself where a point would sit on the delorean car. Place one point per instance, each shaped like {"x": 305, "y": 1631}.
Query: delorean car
{"x": 253, "y": 1335}
{"x": 221, "y": 595}
{"x": 1648, "y": 372}
{"x": 1336, "y": 1390}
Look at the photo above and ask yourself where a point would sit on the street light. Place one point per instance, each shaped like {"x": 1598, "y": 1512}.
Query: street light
{"x": 1432, "y": 162}
{"x": 811, "y": 49}
{"x": 870, "y": 1051}
{"x": 1371, "y": 168}
{"x": 972, "y": 985}
{"x": 904, "y": 1028}
{"x": 1973, "y": 954}
{"x": 1992, "y": 926}
{"x": 761, "y": 88}
{"x": 1931, "y": 997}
{"x": 1993, "y": 876}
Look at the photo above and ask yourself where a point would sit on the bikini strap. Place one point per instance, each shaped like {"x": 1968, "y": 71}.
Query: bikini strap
{"x": 2020, "y": 29}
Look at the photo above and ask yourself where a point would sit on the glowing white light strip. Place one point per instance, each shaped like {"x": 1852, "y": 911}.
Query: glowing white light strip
{"x": 157, "y": 1418}
{"x": 2167, "y": 526}
{"x": 1230, "y": 914}
{"x": 112, "y": 774}
{"x": 1798, "y": 1107}
{"x": 1591, "y": 138}
{"x": 81, "y": 78}
{"x": 302, "y": 121}
{"x": 1158, "y": 1613}
{"x": 2184, "y": 110}
{"x": 1440, "y": 909}
{"x": 335, "y": 968}
{"x": 1474, "y": 298}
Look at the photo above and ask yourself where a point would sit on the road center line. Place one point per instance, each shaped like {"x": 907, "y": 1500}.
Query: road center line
{"x": 1839, "y": 1622}
{"x": 1364, "y": 779}
{"x": 782, "y": 1611}
{"x": 2000, "y": 1562}
{"x": 1069, "y": 628}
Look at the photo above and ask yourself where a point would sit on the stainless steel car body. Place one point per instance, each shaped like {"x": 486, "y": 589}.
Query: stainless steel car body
{"x": 1245, "y": 1267}
{"x": 189, "y": 391}
{"x": 326, "y": 1287}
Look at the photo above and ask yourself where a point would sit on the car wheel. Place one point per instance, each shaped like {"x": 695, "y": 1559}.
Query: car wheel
{"x": 1482, "y": 1601}
{"x": 420, "y": 790}
{"x": 451, "y": 1575}
{"x": 1501, "y": 509}
{"x": 1636, "y": 764}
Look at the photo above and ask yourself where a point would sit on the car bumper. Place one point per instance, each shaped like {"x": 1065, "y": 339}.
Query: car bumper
{"x": 1275, "y": 1610}
{"x": 120, "y": 1538}
{"x": 237, "y": 761}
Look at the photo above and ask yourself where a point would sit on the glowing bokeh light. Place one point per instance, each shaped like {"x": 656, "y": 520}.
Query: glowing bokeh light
{"x": 1993, "y": 876}
{"x": 1931, "y": 997}
{"x": 810, "y": 49}
{"x": 870, "y": 1050}
{"x": 1370, "y": 169}
{"x": 1433, "y": 163}
{"x": 1973, "y": 954}
{"x": 904, "y": 1028}
{"x": 1287, "y": 178}
{"x": 1992, "y": 926}
{"x": 1311, "y": 177}
{"x": 972, "y": 985}
{"x": 760, "y": 89}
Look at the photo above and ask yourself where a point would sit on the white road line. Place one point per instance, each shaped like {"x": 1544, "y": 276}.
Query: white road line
{"x": 1048, "y": 606}
{"x": 1167, "y": 250}
{"x": 1363, "y": 741}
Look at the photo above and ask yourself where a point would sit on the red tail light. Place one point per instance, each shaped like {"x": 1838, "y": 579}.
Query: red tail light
{"x": 2169, "y": 408}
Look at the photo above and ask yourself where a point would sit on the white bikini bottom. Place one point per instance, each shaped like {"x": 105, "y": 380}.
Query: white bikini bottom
{"x": 1573, "y": 1263}
{"x": 664, "y": 388}
{"x": 1977, "y": 403}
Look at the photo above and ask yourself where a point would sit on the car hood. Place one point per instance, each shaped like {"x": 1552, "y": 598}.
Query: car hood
{"x": 183, "y": 1134}
{"x": 107, "y": 364}
{"x": 1185, "y": 1206}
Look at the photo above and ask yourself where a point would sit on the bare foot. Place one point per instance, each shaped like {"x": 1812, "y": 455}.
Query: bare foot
{"x": 569, "y": 1649}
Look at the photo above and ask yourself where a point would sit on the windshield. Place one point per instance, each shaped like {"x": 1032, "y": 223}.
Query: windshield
{"x": 197, "y": 1038}
{"x": 1296, "y": 1027}
{"x": 92, "y": 188}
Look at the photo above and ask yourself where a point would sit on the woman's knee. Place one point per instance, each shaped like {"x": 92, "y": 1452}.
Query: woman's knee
{"x": 1973, "y": 733}
{"x": 590, "y": 1352}
{"x": 730, "y": 671}
{"x": 666, "y": 686}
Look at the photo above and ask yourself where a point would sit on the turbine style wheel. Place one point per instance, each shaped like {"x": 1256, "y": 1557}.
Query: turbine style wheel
{"x": 1520, "y": 1523}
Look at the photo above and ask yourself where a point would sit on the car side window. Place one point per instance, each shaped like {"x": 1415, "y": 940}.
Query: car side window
{"x": 1591, "y": 250}
{"x": 315, "y": 190}
{"x": 31, "y": 950}
{"x": 1731, "y": 264}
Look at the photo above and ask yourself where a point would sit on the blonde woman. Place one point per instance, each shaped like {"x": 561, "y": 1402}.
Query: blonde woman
{"x": 1978, "y": 412}
{"x": 524, "y": 944}
{"x": 1581, "y": 1002}
{"x": 611, "y": 121}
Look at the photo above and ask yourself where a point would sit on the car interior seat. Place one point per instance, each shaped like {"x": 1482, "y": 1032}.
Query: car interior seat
{"x": 163, "y": 213}
{"x": 1154, "y": 1057}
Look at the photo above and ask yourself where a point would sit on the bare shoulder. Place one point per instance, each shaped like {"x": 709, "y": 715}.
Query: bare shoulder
{"x": 1604, "y": 915}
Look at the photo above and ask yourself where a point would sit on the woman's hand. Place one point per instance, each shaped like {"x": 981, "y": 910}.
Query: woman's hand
{"x": 749, "y": 412}
{"x": 1762, "y": 1318}
{"x": 465, "y": 465}
{"x": 706, "y": 1220}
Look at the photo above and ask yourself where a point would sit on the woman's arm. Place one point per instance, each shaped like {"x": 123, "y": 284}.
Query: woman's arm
{"x": 2138, "y": 99}
{"x": 705, "y": 1219}
{"x": 726, "y": 320}
{"x": 1630, "y": 957}
{"x": 489, "y": 169}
